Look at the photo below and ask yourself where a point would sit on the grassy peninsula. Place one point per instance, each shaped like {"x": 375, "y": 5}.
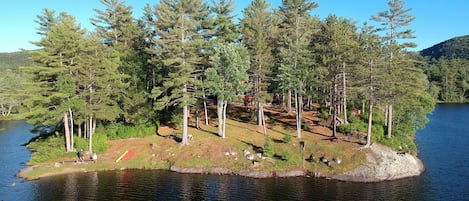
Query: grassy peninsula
{"x": 206, "y": 150}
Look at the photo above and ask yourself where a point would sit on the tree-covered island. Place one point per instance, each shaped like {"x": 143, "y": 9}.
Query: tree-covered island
{"x": 281, "y": 92}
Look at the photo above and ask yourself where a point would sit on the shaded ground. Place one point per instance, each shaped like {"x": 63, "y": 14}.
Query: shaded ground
{"x": 207, "y": 150}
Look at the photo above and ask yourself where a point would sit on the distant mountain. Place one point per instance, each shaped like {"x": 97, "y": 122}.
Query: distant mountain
{"x": 457, "y": 47}
{"x": 13, "y": 60}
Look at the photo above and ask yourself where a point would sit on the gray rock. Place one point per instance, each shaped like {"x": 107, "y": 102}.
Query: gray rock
{"x": 383, "y": 164}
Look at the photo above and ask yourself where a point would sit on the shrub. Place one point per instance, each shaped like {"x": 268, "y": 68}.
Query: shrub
{"x": 122, "y": 131}
{"x": 324, "y": 113}
{"x": 100, "y": 143}
{"x": 378, "y": 117}
{"x": 176, "y": 118}
{"x": 268, "y": 147}
{"x": 44, "y": 150}
{"x": 287, "y": 138}
{"x": 287, "y": 156}
{"x": 354, "y": 126}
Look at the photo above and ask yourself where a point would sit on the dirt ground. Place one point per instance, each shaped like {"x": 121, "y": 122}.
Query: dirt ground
{"x": 208, "y": 147}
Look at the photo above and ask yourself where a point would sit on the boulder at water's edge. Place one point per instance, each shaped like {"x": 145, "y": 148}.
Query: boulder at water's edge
{"x": 383, "y": 164}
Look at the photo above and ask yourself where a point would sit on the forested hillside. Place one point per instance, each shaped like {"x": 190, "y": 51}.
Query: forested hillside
{"x": 13, "y": 60}
{"x": 164, "y": 66}
{"x": 447, "y": 68}
{"x": 454, "y": 48}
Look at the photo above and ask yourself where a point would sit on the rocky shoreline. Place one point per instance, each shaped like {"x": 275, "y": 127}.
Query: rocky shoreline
{"x": 383, "y": 164}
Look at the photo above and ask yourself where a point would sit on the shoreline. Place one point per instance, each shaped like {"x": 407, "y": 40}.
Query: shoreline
{"x": 383, "y": 164}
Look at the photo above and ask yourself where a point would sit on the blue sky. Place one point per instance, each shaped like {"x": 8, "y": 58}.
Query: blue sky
{"x": 436, "y": 20}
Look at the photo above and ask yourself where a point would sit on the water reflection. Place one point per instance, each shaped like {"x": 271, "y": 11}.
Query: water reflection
{"x": 164, "y": 185}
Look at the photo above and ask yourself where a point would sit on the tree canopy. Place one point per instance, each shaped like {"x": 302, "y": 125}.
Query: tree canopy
{"x": 161, "y": 67}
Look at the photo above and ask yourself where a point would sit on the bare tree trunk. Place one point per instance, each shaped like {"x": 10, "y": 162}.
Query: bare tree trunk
{"x": 289, "y": 101}
{"x": 370, "y": 112}
{"x": 263, "y": 121}
{"x": 220, "y": 117}
{"x": 185, "y": 117}
{"x": 79, "y": 130}
{"x": 334, "y": 108}
{"x": 225, "y": 105}
{"x": 72, "y": 143}
{"x": 90, "y": 135}
{"x": 260, "y": 113}
{"x": 344, "y": 83}
{"x": 386, "y": 114}
{"x": 389, "y": 121}
{"x": 299, "y": 109}
{"x": 370, "y": 122}
{"x": 205, "y": 107}
{"x": 67, "y": 132}
{"x": 197, "y": 118}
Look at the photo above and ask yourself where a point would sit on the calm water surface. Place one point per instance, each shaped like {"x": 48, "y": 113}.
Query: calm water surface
{"x": 443, "y": 146}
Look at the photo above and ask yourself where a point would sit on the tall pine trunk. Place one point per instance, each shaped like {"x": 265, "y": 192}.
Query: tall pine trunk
{"x": 185, "y": 123}
{"x": 90, "y": 134}
{"x": 67, "y": 132}
{"x": 220, "y": 117}
{"x": 72, "y": 143}
{"x": 299, "y": 110}
{"x": 370, "y": 112}
{"x": 225, "y": 105}
{"x": 344, "y": 83}
{"x": 389, "y": 133}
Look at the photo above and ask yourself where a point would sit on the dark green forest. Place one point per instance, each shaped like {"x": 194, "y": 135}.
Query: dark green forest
{"x": 133, "y": 74}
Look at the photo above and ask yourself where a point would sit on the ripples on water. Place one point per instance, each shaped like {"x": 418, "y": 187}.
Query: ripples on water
{"x": 163, "y": 185}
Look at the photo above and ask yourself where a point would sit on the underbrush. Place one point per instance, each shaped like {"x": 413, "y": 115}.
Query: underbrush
{"x": 53, "y": 147}
{"x": 121, "y": 131}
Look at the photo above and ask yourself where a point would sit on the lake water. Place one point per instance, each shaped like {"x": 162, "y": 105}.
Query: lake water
{"x": 443, "y": 148}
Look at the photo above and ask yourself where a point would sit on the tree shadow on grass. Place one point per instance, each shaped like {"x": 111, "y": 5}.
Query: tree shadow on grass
{"x": 257, "y": 149}
{"x": 174, "y": 137}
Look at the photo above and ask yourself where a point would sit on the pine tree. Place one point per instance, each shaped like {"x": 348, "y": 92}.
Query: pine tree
{"x": 226, "y": 77}
{"x": 61, "y": 41}
{"x": 336, "y": 44}
{"x": 119, "y": 30}
{"x": 179, "y": 27}
{"x": 295, "y": 62}
{"x": 225, "y": 29}
{"x": 256, "y": 28}
{"x": 393, "y": 20}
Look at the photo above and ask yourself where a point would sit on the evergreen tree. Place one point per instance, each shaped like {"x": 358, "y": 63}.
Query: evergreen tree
{"x": 119, "y": 30}
{"x": 393, "y": 20}
{"x": 295, "y": 61}
{"x": 61, "y": 42}
{"x": 179, "y": 27}
{"x": 256, "y": 28}
{"x": 226, "y": 77}
{"x": 225, "y": 29}
{"x": 370, "y": 58}
{"x": 336, "y": 45}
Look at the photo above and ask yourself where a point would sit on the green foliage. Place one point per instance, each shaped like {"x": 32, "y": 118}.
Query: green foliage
{"x": 353, "y": 126}
{"x": 378, "y": 117}
{"x": 454, "y": 48}
{"x": 44, "y": 150}
{"x": 121, "y": 131}
{"x": 80, "y": 143}
{"x": 100, "y": 142}
{"x": 268, "y": 147}
{"x": 13, "y": 60}
{"x": 324, "y": 113}
{"x": 287, "y": 138}
{"x": 287, "y": 156}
